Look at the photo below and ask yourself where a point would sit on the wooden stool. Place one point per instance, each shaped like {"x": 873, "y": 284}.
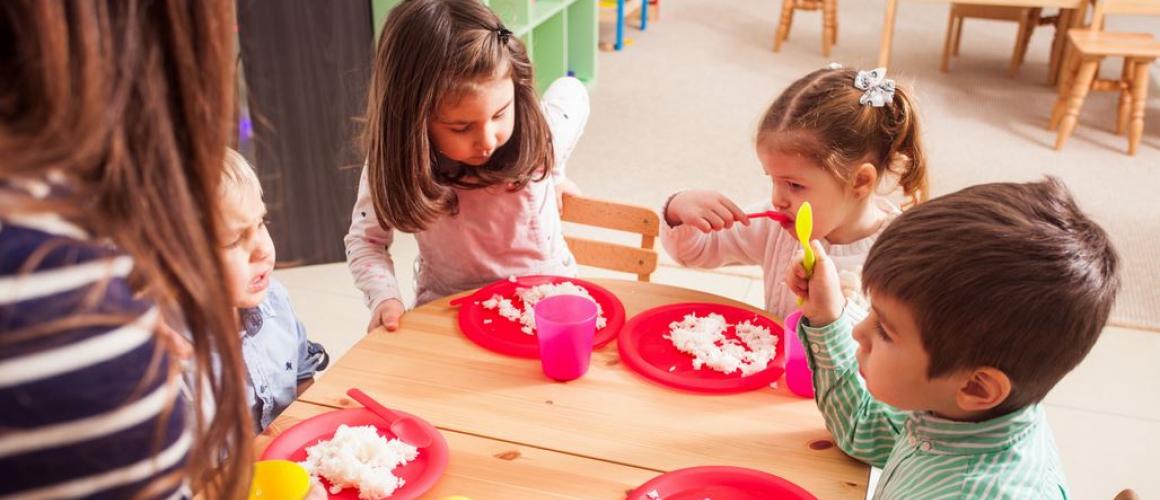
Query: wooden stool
{"x": 1027, "y": 17}
{"x": 829, "y": 21}
{"x": 1089, "y": 47}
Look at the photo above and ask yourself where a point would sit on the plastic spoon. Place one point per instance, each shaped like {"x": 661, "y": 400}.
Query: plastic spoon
{"x": 804, "y": 225}
{"x": 405, "y": 428}
{"x": 777, "y": 216}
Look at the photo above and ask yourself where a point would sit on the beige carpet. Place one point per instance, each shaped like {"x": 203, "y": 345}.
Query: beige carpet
{"x": 677, "y": 109}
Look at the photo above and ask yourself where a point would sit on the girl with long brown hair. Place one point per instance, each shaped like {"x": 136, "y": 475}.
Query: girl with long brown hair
{"x": 460, "y": 153}
{"x": 113, "y": 125}
{"x": 833, "y": 138}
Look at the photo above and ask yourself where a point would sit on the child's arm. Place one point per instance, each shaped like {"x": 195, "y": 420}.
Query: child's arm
{"x": 862, "y": 426}
{"x": 566, "y": 109}
{"x": 369, "y": 260}
{"x": 705, "y": 229}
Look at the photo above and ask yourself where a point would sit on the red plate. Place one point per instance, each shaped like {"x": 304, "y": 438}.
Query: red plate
{"x": 643, "y": 348}
{"x": 720, "y": 483}
{"x": 504, "y": 336}
{"x": 420, "y": 475}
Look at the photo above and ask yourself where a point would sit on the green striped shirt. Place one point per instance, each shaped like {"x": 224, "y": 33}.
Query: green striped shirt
{"x": 924, "y": 456}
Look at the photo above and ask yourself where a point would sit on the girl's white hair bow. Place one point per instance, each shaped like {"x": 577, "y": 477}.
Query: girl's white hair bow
{"x": 877, "y": 89}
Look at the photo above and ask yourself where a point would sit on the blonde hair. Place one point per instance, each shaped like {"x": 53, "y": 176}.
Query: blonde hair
{"x": 430, "y": 51}
{"x": 238, "y": 178}
{"x": 821, "y": 117}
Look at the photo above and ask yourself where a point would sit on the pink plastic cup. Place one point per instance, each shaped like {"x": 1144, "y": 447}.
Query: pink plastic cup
{"x": 565, "y": 327}
{"x": 798, "y": 376}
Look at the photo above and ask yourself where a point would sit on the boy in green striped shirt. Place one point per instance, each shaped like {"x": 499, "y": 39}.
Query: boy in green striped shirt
{"x": 981, "y": 301}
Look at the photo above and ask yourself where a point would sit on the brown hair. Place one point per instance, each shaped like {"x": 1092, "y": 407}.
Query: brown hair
{"x": 1011, "y": 276}
{"x": 820, "y": 117}
{"x": 127, "y": 105}
{"x": 430, "y": 51}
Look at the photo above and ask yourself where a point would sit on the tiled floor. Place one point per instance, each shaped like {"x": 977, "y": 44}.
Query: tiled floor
{"x": 1105, "y": 414}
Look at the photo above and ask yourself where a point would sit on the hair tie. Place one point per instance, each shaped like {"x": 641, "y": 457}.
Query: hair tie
{"x": 504, "y": 34}
{"x": 877, "y": 89}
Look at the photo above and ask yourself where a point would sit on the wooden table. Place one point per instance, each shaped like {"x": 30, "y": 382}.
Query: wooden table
{"x": 1071, "y": 15}
{"x": 514, "y": 433}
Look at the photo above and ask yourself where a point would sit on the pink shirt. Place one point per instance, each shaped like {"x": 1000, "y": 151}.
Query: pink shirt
{"x": 765, "y": 243}
{"x": 496, "y": 234}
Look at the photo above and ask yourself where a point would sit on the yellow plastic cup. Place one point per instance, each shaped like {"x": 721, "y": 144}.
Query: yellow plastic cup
{"x": 279, "y": 480}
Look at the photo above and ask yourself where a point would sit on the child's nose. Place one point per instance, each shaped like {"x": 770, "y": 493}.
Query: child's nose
{"x": 262, "y": 251}
{"x": 779, "y": 200}
{"x": 860, "y": 337}
{"x": 488, "y": 141}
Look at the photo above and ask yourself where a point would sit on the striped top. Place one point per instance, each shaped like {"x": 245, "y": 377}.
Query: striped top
{"x": 924, "y": 456}
{"x": 81, "y": 406}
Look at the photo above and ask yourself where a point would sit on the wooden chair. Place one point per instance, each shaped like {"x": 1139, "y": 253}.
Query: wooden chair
{"x": 829, "y": 10}
{"x": 640, "y": 261}
{"x": 1089, "y": 47}
{"x": 1027, "y": 17}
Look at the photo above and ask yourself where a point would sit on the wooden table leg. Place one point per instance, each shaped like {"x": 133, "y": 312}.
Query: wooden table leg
{"x": 1124, "y": 104}
{"x": 1079, "y": 91}
{"x": 1139, "y": 99}
{"x": 829, "y": 20}
{"x": 1058, "y": 44}
{"x": 887, "y": 33}
{"x": 783, "y": 24}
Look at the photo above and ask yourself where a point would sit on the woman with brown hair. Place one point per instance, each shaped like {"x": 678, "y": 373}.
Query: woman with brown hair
{"x": 113, "y": 125}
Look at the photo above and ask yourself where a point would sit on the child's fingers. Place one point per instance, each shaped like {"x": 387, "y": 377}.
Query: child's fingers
{"x": 819, "y": 250}
{"x": 726, "y": 216}
{"x": 702, "y": 224}
{"x": 792, "y": 283}
{"x": 390, "y": 323}
{"x": 735, "y": 211}
{"x": 715, "y": 221}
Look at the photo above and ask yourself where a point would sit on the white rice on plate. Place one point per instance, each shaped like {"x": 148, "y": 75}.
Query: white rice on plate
{"x": 530, "y": 296}
{"x": 358, "y": 457}
{"x": 703, "y": 337}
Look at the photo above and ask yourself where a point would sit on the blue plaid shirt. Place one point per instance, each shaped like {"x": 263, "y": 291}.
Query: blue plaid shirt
{"x": 277, "y": 354}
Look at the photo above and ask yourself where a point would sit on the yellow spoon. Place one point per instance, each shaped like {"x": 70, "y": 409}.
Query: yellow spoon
{"x": 279, "y": 479}
{"x": 804, "y": 225}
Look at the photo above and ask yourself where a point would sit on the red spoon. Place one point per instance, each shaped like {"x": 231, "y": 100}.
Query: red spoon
{"x": 777, "y": 216}
{"x": 405, "y": 428}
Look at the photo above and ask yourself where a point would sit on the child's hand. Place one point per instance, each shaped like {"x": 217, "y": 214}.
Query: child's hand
{"x": 705, "y": 210}
{"x": 387, "y": 315}
{"x": 821, "y": 292}
{"x": 565, "y": 187}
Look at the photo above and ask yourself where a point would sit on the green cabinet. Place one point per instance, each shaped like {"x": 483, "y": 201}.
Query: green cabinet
{"x": 561, "y": 35}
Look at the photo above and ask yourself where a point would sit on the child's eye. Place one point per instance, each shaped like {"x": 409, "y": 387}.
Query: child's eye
{"x": 795, "y": 186}
{"x": 234, "y": 244}
{"x": 461, "y": 130}
{"x": 881, "y": 331}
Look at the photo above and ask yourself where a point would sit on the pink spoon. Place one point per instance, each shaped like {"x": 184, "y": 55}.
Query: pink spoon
{"x": 777, "y": 216}
{"x": 405, "y": 428}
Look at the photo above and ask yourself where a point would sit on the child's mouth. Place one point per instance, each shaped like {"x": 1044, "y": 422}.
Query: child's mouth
{"x": 260, "y": 282}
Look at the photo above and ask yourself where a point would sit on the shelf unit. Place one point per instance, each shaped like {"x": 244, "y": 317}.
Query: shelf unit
{"x": 561, "y": 35}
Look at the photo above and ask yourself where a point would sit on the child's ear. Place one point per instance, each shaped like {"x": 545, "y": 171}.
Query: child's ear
{"x": 984, "y": 389}
{"x": 864, "y": 180}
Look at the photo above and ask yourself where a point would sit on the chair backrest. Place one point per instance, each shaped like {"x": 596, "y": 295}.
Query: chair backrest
{"x": 640, "y": 261}
{"x": 1128, "y": 7}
